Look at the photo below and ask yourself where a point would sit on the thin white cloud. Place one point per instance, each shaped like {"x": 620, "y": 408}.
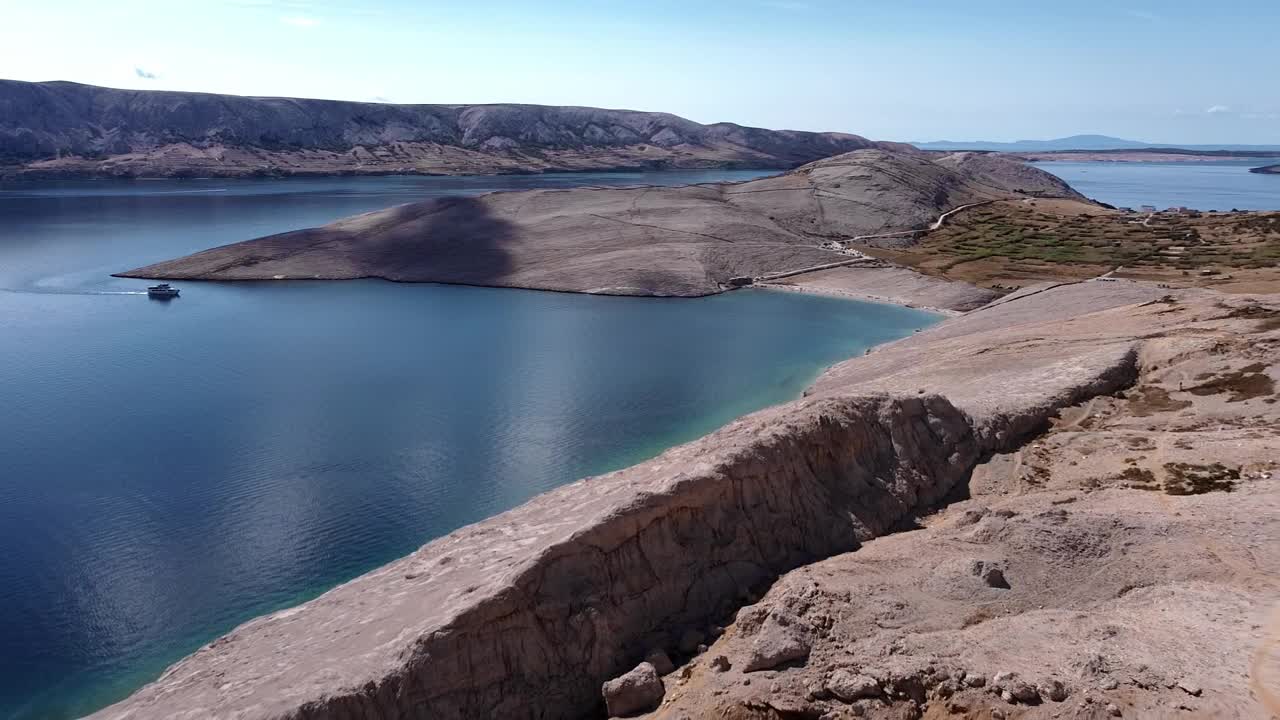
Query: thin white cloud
{"x": 1142, "y": 15}
{"x": 1226, "y": 112}
{"x": 144, "y": 74}
{"x": 300, "y": 21}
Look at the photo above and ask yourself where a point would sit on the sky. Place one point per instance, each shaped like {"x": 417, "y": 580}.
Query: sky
{"x": 1175, "y": 71}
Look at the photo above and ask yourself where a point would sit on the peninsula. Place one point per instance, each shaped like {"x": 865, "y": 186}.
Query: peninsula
{"x": 685, "y": 241}
{"x": 64, "y": 129}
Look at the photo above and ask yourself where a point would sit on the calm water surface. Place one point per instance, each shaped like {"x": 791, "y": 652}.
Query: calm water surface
{"x": 1212, "y": 185}
{"x": 169, "y": 470}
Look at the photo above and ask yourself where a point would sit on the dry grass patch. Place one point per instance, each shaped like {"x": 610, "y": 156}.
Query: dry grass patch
{"x": 1010, "y": 243}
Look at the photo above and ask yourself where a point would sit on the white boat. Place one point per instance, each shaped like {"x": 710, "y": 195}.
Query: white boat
{"x": 163, "y": 290}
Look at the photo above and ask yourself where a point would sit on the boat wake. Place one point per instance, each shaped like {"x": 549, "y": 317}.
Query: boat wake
{"x": 58, "y": 291}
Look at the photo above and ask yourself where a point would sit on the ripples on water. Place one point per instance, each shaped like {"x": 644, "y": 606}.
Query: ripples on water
{"x": 171, "y": 469}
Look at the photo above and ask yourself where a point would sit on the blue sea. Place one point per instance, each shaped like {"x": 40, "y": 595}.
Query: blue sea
{"x": 1201, "y": 185}
{"x": 169, "y": 470}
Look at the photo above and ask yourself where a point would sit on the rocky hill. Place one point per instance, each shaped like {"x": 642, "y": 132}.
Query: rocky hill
{"x": 63, "y": 128}
{"x": 683, "y": 241}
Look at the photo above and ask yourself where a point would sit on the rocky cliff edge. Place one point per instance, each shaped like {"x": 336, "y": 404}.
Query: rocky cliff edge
{"x": 527, "y": 613}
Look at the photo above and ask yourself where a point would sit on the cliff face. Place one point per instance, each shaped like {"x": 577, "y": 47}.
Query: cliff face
{"x": 525, "y": 614}
{"x": 66, "y": 128}
{"x": 1123, "y": 563}
{"x": 628, "y": 241}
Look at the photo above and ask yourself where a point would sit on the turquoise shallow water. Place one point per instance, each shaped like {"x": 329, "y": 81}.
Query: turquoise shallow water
{"x": 169, "y": 470}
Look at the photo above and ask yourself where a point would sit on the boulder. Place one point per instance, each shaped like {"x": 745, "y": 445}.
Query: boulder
{"x": 774, "y": 645}
{"x": 1024, "y": 693}
{"x": 635, "y": 692}
{"x": 1054, "y": 690}
{"x": 849, "y": 686}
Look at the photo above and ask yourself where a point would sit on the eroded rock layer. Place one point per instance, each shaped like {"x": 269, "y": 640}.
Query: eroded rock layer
{"x": 1124, "y": 563}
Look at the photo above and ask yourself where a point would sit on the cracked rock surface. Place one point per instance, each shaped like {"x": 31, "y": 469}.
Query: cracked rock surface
{"x": 1138, "y": 535}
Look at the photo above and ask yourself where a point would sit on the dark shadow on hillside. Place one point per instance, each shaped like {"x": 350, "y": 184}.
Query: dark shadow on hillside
{"x": 456, "y": 239}
{"x": 449, "y": 240}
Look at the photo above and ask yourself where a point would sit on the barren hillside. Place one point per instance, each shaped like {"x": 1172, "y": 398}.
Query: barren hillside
{"x": 642, "y": 241}
{"x": 69, "y": 129}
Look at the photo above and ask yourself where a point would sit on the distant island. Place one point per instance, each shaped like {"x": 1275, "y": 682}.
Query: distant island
{"x": 1103, "y": 148}
{"x": 64, "y": 129}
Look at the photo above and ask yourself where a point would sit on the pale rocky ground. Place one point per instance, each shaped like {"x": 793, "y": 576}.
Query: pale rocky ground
{"x": 884, "y": 282}
{"x": 684, "y": 241}
{"x": 798, "y": 542}
{"x": 1118, "y": 594}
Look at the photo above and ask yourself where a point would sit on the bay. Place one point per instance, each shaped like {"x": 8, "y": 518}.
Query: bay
{"x": 169, "y": 470}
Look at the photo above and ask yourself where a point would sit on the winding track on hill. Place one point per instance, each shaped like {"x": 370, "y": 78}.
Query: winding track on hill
{"x": 864, "y": 258}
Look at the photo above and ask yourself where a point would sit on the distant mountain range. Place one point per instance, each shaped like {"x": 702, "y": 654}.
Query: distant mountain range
{"x": 1083, "y": 142}
{"x": 69, "y": 129}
